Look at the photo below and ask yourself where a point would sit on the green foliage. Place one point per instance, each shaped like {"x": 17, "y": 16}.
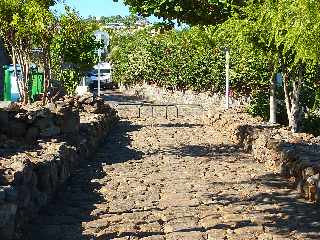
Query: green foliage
{"x": 174, "y": 60}
{"x": 193, "y": 12}
{"x": 249, "y": 65}
{"x": 70, "y": 79}
{"x": 73, "y": 51}
{"x": 288, "y": 32}
{"x": 25, "y": 25}
{"x": 310, "y": 99}
{"x": 311, "y": 123}
{"x": 265, "y": 36}
{"x": 259, "y": 105}
{"x": 188, "y": 59}
{"x": 292, "y": 26}
{"x": 310, "y": 93}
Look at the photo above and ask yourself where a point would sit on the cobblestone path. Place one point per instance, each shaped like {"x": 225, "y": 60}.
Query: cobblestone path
{"x": 158, "y": 179}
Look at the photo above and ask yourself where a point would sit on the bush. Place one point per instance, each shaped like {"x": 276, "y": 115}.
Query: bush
{"x": 187, "y": 59}
{"x": 311, "y": 123}
{"x": 259, "y": 105}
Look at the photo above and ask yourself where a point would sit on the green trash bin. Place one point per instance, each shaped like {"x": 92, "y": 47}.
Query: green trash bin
{"x": 10, "y": 85}
{"x": 7, "y": 84}
{"x": 36, "y": 84}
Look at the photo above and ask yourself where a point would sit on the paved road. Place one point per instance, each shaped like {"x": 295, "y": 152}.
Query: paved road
{"x": 158, "y": 179}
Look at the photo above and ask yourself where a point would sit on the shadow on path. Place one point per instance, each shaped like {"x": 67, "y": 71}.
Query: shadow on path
{"x": 283, "y": 212}
{"x": 295, "y": 213}
{"x": 203, "y": 151}
{"x": 75, "y": 202}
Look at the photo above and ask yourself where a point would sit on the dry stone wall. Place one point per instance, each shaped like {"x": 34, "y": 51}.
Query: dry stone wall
{"x": 296, "y": 156}
{"x": 63, "y": 135}
{"x": 62, "y": 118}
{"x": 161, "y": 95}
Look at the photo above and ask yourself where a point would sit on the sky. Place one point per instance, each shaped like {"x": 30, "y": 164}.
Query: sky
{"x": 98, "y": 8}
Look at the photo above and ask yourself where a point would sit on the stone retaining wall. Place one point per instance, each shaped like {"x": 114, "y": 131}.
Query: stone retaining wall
{"x": 30, "y": 176}
{"x": 28, "y": 124}
{"x": 296, "y": 156}
{"x": 162, "y": 95}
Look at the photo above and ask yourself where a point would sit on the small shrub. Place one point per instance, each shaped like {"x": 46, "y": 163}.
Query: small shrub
{"x": 311, "y": 123}
{"x": 259, "y": 105}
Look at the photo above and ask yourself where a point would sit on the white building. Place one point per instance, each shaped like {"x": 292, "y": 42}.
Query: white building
{"x": 115, "y": 26}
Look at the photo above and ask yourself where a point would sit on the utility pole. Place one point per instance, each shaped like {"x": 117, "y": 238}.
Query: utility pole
{"x": 227, "y": 76}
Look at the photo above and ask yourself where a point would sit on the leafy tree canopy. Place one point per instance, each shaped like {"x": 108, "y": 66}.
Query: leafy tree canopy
{"x": 204, "y": 12}
{"x": 73, "y": 50}
{"x": 291, "y": 26}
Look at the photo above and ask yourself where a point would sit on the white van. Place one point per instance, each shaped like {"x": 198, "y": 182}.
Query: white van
{"x": 105, "y": 76}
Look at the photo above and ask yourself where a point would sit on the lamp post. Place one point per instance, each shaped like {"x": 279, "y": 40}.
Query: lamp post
{"x": 227, "y": 76}
{"x": 99, "y": 72}
{"x": 101, "y": 37}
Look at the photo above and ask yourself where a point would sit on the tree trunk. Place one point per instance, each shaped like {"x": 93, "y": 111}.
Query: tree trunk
{"x": 295, "y": 109}
{"x": 14, "y": 60}
{"x": 285, "y": 78}
{"x": 26, "y": 81}
{"x": 292, "y": 100}
{"x": 273, "y": 102}
{"x": 46, "y": 77}
{"x": 286, "y": 93}
{"x": 23, "y": 85}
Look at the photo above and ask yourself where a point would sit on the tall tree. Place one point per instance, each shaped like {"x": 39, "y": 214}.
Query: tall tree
{"x": 291, "y": 30}
{"x": 204, "y": 12}
{"x": 22, "y": 24}
{"x": 73, "y": 50}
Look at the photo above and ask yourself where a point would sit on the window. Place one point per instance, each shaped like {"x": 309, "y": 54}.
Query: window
{"x": 102, "y": 71}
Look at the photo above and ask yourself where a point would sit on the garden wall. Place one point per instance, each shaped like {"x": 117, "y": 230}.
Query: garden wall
{"x": 40, "y": 148}
{"x": 295, "y": 156}
{"x": 163, "y": 95}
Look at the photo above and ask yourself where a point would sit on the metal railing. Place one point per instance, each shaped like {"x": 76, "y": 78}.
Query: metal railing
{"x": 166, "y": 106}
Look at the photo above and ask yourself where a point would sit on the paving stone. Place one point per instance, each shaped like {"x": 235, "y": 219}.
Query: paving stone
{"x": 181, "y": 224}
{"x": 121, "y": 238}
{"x": 186, "y": 236}
{"x": 265, "y": 236}
{"x": 244, "y": 236}
{"x": 150, "y": 228}
{"x": 156, "y": 237}
{"x": 216, "y": 234}
{"x": 210, "y": 221}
